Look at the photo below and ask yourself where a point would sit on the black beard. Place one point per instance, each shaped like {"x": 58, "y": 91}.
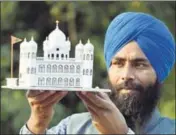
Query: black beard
{"x": 137, "y": 107}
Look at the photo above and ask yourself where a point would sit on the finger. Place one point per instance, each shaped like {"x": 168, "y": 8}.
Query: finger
{"x": 89, "y": 108}
{"x": 43, "y": 96}
{"x": 33, "y": 93}
{"x": 93, "y": 112}
{"x": 99, "y": 101}
{"x": 103, "y": 95}
{"x": 53, "y": 99}
{"x": 40, "y": 98}
{"x": 89, "y": 103}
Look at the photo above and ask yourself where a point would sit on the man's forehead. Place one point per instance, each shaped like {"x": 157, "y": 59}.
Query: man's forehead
{"x": 130, "y": 51}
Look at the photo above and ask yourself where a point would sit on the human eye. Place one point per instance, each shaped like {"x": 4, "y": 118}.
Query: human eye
{"x": 118, "y": 63}
{"x": 140, "y": 65}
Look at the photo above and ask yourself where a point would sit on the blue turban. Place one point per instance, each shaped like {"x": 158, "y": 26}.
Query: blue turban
{"x": 152, "y": 36}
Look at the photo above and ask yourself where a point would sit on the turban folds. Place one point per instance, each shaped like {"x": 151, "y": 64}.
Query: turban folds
{"x": 152, "y": 36}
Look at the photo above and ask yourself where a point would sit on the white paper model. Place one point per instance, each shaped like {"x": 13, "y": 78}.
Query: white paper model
{"x": 55, "y": 70}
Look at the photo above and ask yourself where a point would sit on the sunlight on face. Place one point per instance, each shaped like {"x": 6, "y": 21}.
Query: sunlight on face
{"x": 130, "y": 63}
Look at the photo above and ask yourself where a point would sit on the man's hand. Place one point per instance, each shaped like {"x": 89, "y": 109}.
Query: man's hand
{"x": 106, "y": 116}
{"x": 42, "y": 111}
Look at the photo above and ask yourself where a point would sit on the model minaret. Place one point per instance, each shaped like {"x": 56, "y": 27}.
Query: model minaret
{"x": 45, "y": 49}
{"x": 88, "y": 65}
{"x": 31, "y": 63}
{"x": 79, "y": 52}
{"x": 68, "y": 46}
{"x": 22, "y": 64}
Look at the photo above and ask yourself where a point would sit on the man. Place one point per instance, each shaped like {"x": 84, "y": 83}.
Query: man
{"x": 139, "y": 53}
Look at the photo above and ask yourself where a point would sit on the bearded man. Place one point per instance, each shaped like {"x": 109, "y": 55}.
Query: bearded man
{"x": 139, "y": 52}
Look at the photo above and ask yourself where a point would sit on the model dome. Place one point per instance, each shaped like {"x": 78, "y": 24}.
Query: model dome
{"x": 80, "y": 46}
{"x": 88, "y": 46}
{"x": 56, "y": 38}
{"x": 32, "y": 45}
{"x": 23, "y": 45}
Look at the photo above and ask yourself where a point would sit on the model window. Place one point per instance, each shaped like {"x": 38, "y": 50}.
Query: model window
{"x": 39, "y": 81}
{"x": 87, "y": 57}
{"x": 71, "y": 83}
{"x": 66, "y": 56}
{"x": 32, "y": 71}
{"x": 57, "y": 56}
{"x": 60, "y": 81}
{"x": 52, "y": 56}
{"x": 48, "y": 81}
{"x": 66, "y": 82}
{"x": 91, "y": 72}
{"x": 28, "y": 55}
{"x": 84, "y": 72}
{"x": 28, "y": 70}
{"x": 78, "y": 69}
{"x": 42, "y": 68}
{"x": 54, "y": 81}
{"x": 48, "y": 56}
{"x": 87, "y": 71}
{"x": 62, "y": 56}
{"x": 91, "y": 56}
{"x": 33, "y": 55}
{"x": 60, "y": 68}
{"x": 77, "y": 82}
{"x": 66, "y": 69}
{"x": 43, "y": 81}
{"x": 72, "y": 68}
{"x": 48, "y": 68}
{"x": 84, "y": 57}
{"x": 54, "y": 70}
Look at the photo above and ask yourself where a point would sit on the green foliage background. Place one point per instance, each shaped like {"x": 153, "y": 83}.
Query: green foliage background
{"x": 79, "y": 20}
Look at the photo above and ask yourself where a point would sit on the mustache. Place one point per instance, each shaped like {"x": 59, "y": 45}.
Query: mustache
{"x": 129, "y": 85}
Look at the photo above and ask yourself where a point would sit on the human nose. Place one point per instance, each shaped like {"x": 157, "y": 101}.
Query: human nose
{"x": 127, "y": 73}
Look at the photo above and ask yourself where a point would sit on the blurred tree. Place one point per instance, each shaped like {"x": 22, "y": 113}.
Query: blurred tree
{"x": 78, "y": 20}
